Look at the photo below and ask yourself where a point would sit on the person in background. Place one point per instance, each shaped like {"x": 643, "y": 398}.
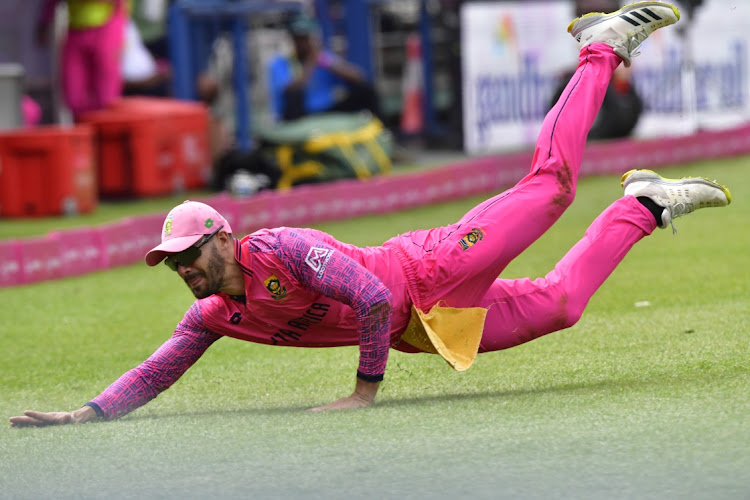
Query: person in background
{"x": 622, "y": 106}
{"x": 90, "y": 62}
{"x": 314, "y": 80}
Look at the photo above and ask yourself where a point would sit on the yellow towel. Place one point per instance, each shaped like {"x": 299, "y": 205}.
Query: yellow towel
{"x": 453, "y": 333}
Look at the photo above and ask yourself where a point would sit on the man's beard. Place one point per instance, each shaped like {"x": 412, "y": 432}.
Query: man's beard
{"x": 213, "y": 280}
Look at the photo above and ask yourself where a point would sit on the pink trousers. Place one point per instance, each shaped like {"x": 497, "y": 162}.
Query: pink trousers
{"x": 90, "y": 72}
{"x": 481, "y": 244}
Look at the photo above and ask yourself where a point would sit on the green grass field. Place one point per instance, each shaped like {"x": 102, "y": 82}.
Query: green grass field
{"x": 631, "y": 403}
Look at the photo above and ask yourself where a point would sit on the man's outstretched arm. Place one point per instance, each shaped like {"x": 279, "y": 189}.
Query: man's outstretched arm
{"x": 345, "y": 280}
{"x": 141, "y": 384}
{"x": 32, "y": 418}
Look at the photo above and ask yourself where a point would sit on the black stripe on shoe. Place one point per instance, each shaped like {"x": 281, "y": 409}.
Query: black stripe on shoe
{"x": 642, "y": 18}
{"x": 631, "y": 21}
{"x": 651, "y": 13}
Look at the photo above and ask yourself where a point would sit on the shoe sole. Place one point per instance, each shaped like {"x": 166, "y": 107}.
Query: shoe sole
{"x": 593, "y": 18}
{"x": 650, "y": 175}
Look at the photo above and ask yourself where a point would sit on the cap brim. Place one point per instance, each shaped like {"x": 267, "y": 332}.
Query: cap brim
{"x": 174, "y": 245}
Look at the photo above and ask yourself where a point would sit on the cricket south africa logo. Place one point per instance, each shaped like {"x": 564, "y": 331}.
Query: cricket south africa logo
{"x": 168, "y": 225}
{"x": 471, "y": 239}
{"x": 317, "y": 259}
{"x": 273, "y": 285}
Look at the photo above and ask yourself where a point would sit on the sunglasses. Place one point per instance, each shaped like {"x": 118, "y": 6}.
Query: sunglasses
{"x": 188, "y": 256}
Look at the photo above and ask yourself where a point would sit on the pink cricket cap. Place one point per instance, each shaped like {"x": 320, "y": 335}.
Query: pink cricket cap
{"x": 184, "y": 226}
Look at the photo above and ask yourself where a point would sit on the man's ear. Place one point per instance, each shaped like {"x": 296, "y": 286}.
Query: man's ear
{"x": 225, "y": 240}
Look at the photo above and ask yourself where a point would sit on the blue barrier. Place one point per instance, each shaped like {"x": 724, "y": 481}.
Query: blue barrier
{"x": 194, "y": 24}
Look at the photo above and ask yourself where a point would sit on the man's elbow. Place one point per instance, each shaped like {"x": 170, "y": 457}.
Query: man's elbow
{"x": 382, "y": 303}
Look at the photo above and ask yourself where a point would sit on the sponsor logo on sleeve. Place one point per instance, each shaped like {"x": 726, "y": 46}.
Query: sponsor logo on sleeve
{"x": 471, "y": 239}
{"x": 317, "y": 259}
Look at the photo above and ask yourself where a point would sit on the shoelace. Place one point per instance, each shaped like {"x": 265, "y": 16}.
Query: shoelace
{"x": 634, "y": 41}
{"x": 678, "y": 210}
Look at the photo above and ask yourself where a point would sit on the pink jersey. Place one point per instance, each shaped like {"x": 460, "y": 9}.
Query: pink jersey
{"x": 303, "y": 288}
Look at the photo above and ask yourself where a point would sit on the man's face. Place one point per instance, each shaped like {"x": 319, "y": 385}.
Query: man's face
{"x": 206, "y": 275}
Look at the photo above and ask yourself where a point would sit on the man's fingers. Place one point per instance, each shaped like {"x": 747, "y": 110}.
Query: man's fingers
{"x": 53, "y": 417}
{"x": 35, "y": 414}
{"x": 38, "y": 419}
{"x": 348, "y": 403}
{"x": 329, "y": 406}
{"x": 25, "y": 422}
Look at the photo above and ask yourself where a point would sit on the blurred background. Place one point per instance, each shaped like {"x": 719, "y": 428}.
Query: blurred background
{"x": 467, "y": 48}
{"x": 224, "y": 94}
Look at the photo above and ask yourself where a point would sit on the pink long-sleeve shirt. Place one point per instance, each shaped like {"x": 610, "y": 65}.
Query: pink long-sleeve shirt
{"x": 302, "y": 288}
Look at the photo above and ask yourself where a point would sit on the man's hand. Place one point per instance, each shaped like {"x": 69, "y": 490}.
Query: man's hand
{"x": 364, "y": 395}
{"x": 40, "y": 419}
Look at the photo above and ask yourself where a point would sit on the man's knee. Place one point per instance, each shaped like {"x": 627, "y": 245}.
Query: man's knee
{"x": 561, "y": 182}
{"x": 565, "y": 315}
{"x": 564, "y": 306}
{"x": 563, "y": 199}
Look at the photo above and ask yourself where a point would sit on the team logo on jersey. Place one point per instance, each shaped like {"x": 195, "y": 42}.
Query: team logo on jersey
{"x": 273, "y": 285}
{"x": 317, "y": 259}
{"x": 168, "y": 225}
{"x": 471, "y": 239}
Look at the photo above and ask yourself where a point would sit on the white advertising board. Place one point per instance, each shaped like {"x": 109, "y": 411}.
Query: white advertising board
{"x": 514, "y": 52}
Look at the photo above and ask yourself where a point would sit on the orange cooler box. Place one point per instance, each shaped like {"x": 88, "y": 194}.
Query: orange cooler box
{"x": 47, "y": 171}
{"x": 136, "y": 152}
{"x": 190, "y": 125}
{"x": 194, "y": 147}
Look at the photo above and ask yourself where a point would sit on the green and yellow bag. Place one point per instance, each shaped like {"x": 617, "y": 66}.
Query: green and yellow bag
{"x": 326, "y": 147}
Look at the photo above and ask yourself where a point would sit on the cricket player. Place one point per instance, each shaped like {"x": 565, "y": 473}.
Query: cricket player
{"x": 90, "y": 58}
{"x": 432, "y": 290}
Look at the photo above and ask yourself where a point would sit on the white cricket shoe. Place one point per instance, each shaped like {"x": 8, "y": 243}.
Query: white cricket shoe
{"x": 678, "y": 196}
{"x": 625, "y": 29}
